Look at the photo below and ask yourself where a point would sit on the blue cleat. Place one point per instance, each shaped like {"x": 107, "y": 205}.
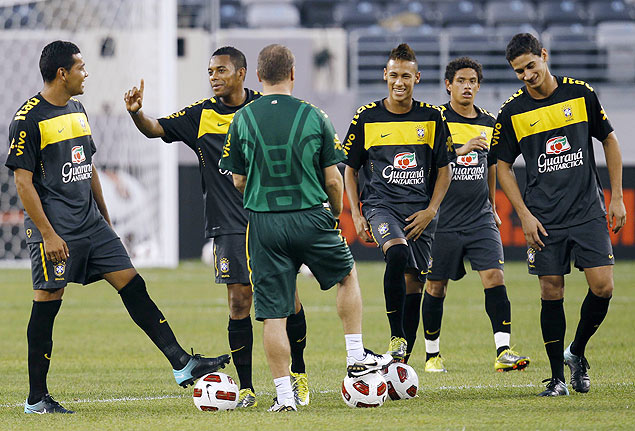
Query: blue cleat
{"x": 46, "y": 405}
{"x": 197, "y": 367}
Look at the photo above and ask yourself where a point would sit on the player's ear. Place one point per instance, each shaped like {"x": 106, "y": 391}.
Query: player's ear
{"x": 385, "y": 74}
{"x": 417, "y": 77}
{"x": 61, "y": 73}
{"x": 544, "y": 55}
{"x": 447, "y": 85}
{"x": 258, "y": 76}
{"x": 292, "y": 74}
{"x": 242, "y": 73}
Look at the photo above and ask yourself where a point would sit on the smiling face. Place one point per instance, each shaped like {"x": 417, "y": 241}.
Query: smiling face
{"x": 532, "y": 69}
{"x": 401, "y": 77}
{"x": 224, "y": 77}
{"x": 74, "y": 78}
{"x": 464, "y": 86}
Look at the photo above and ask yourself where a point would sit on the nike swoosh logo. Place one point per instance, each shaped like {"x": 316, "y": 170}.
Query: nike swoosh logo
{"x": 501, "y": 261}
{"x": 610, "y": 256}
{"x": 533, "y": 124}
{"x": 549, "y": 342}
{"x": 506, "y": 323}
{"x": 236, "y": 350}
{"x": 387, "y": 134}
{"x": 433, "y": 332}
{"x": 60, "y": 130}
{"x": 301, "y": 339}
{"x": 46, "y": 356}
{"x": 163, "y": 320}
{"x": 390, "y": 312}
{"x": 220, "y": 124}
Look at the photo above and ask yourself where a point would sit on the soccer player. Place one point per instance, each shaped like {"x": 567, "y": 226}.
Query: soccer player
{"x": 551, "y": 121}
{"x": 283, "y": 153}
{"x": 202, "y": 127}
{"x": 68, "y": 229}
{"x": 468, "y": 223}
{"x": 401, "y": 146}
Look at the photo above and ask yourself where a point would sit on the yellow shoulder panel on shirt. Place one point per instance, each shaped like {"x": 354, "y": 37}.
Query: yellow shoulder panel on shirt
{"x": 399, "y": 133}
{"x": 463, "y": 132}
{"x": 214, "y": 123}
{"x": 63, "y": 128}
{"x": 550, "y": 117}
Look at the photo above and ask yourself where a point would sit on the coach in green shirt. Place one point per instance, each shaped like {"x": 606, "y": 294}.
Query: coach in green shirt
{"x": 283, "y": 153}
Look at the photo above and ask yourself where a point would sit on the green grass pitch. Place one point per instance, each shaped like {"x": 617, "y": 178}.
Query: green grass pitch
{"x": 106, "y": 369}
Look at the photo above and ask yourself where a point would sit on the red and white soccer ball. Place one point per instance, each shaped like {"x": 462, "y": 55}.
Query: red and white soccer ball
{"x": 369, "y": 390}
{"x": 215, "y": 391}
{"x": 402, "y": 381}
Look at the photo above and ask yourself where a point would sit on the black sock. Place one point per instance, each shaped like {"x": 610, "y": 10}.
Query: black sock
{"x": 592, "y": 313}
{"x": 395, "y": 287}
{"x": 296, "y": 331}
{"x": 554, "y": 325}
{"x": 241, "y": 341}
{"x": 411, "y": 320}
{"x": 39, "y": 335}
{"x": 432, "y": 316}
{"x": 148, "y": 317}
{"x": 499, "y": 311}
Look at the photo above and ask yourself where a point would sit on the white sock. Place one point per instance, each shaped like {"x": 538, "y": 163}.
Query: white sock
{"x": 283, "y": 389}
{"x": 502, "y": 339}
{"x": 354, "y": 346}
{"x": 432, "y": 346}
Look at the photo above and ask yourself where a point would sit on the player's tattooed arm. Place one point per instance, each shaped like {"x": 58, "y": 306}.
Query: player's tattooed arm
{"x": 334, "y": 188}
{"x": 147, "y": 125}
{"x": 98, "y": 195}
{"x": 476, "y": 143}
{"x": 55, "y": 247}
{"x": 420, "y": 220}
{"x": 491, "y": 184}
{"x": 617, "y": 210}
{"x": 351, "y": 183}
{"x": 532, "y": 228}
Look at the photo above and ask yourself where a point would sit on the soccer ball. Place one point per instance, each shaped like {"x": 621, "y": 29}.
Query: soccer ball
{"x": 402, "y": 381}
{"x": 364, "y": 391}
{"x": 215, "y": 391}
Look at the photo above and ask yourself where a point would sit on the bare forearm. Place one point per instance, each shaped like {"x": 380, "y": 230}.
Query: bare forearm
{"x": 444, "y": 177}
{"x": 508, "y": 183}
{"x": 33, "y": 206}
{"x": 147, "y": 125}
{"x": 491, "y": 184}
{"x": 351, "y": 184}
{"x": 613, "y": 157}
{"x": 98, "y": 195}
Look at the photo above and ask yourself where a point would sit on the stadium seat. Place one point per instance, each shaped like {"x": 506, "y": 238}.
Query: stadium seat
{"x": 353, "y": 14}
{"x": 272, "y": 15}
{"x": 318, "y": 13}
{"x": 460, "y": 12}
{"x": 560, "y": 12}
{"x": 575, "y": 52}
{"x": 509, "y": 12}
{"x": 613, "y": 10}
{"x": 231, "y": 14}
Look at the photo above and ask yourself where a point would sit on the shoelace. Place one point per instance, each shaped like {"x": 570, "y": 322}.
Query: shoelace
{"x": 49, "y": 399}
{"x": 553, "y": 381}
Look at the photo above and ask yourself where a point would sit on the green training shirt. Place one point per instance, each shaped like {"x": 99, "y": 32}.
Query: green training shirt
{"x": 281, "y": 144}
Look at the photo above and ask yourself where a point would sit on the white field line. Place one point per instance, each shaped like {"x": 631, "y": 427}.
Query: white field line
{"x": 329, "y": 391}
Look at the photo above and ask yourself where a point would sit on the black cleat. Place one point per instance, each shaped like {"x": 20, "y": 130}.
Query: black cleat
{"x": 46, "y": 405}
{"x": 555, "y": 388}
{"x": 197, "y": 367}
{"x": 578, "y": 365}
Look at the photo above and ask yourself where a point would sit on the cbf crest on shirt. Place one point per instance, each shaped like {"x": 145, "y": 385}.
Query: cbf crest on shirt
{"x": 554, "y": 136}
{"x": 398, "y": 154}
{"x": 56, "y": 145}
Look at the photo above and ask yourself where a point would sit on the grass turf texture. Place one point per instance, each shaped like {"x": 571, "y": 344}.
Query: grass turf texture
{"x": 104, "y": 367}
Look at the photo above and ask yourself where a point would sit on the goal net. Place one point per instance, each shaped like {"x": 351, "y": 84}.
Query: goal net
{"x": 121, "y": 41}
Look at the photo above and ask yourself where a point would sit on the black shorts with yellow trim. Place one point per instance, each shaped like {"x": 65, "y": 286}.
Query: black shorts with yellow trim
{"x": 588, "y": 244}
{"x": 386, "y": 224}
{"x": 481, "y": 245}
{"x": 99, "y": 253}
{"x": 279, "y": 243}
{"x": 230, "y": 259}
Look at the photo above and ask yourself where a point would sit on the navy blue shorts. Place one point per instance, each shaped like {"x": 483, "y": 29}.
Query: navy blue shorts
{"x": 230, "y": 259}
{"x": 99, "y": 253}
{"x": 482, "y": 245}
{"x": 386, "y": 225}
{"x": 589, "y": 244}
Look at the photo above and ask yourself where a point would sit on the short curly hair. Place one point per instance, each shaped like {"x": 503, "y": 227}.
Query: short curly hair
{"x": 463, "y": 63}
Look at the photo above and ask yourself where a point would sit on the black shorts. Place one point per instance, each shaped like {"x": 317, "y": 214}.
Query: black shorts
{"x": 386, "y": 224}
{"x": 230, "y": 259}
{"x": 279, "y": 243}
{"x": 588, "y": 243}
{"x": 481, "y": 245}
{"x": 99, "y": 253}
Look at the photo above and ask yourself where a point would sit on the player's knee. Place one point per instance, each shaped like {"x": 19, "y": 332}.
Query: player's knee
{"x": 136, "y": 284}
{"x": 492, "y": 278}
{"x": 397, "y": 255}
{"x": 603, "y": 289}
{"x": 240, "y": 298}
{"x": 551, "y": 287}
{"x": 43, "y": 295}
{"x": 437, "y": 288}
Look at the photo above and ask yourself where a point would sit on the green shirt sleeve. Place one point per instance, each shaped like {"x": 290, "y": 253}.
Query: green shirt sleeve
{"x": 233, "y": 158}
